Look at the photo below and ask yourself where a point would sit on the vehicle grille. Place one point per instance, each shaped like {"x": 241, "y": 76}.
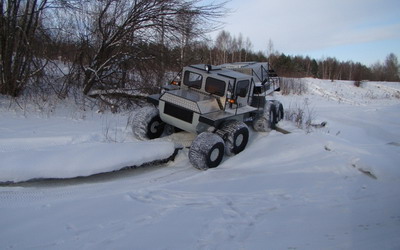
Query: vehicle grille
{"x": 178, "y": 112}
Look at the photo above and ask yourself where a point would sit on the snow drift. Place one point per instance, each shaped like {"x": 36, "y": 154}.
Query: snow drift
{"x": 74, "y": 160}
{"x": 32, "y": 147}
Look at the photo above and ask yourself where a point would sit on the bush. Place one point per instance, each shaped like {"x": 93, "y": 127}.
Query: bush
{"x": 357, "y": 83}
{"x": 294, "y": 86}
{"x": 301, "y": 115}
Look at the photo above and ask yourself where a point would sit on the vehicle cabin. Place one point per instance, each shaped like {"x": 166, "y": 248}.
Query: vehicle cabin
{"x": 205, "y": 95}
{"x": 228, "y": 86}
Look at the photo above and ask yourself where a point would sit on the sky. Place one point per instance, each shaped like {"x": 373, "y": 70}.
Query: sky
{"x": 363, "y": 31}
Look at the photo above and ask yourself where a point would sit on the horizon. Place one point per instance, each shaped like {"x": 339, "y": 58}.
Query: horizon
{"x": 364, "y": 31}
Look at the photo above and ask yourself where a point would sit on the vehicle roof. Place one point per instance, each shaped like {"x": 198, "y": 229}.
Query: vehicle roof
{"x": 258, "y": 68}
{"x": 217, "y": 70}
{"x": 252, "y": 65}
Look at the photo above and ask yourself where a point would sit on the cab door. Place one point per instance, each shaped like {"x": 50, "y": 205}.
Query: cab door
{"x": 242, "y": 89}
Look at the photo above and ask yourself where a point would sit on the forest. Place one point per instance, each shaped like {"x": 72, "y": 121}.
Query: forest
{"x": 57, "y": 45}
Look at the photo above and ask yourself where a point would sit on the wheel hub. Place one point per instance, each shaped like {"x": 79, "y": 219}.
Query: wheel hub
{"x": 239, "y": 140}
{"x": 214, "y": 154}
{"x": 154, "y": 127}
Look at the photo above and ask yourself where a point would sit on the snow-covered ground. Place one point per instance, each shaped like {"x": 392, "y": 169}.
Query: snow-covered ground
{"x": 34, "y": 147}
{"x": 336, "y": 187}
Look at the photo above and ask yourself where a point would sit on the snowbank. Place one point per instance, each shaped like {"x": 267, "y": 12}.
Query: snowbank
{"x": 68, "y": 161}
{"x": 33, "y": 147}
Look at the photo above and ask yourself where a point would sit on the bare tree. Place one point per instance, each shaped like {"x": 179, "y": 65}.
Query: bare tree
{"x": 116, "y": 32}
{"x": 19, "y": 22}
{"x": 233, "y": 47}
{"x": 248, "y": 46}
{"x": 391, "y": 68}
{"x": 270, "y": 49}
{"x": 186, "y": 32}
{"x": 240, "y": 44}
{"x": 222, "y": 43}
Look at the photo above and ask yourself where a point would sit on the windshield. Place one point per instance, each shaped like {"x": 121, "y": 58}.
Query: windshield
{"x": 192, "y": 79}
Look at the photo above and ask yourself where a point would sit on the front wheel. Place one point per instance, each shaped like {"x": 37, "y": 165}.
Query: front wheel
{"x": 147, "y": 124}
{"x": 206, "y": 151}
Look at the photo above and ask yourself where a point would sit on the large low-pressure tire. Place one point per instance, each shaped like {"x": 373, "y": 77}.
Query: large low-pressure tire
{"x": 280, "y": 112}
{"x": 206, "y": 151}
{"x": 267, "y": 120}
{"x": 272, "y": 117}
{"x": 147, "y": 124}
{"x": 235, "y": 135}
{"x": 261, "y": 124}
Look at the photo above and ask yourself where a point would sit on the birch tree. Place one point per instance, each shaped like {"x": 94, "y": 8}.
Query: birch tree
{"x": 248, "y": 46}
{"x": 222, "y": 44}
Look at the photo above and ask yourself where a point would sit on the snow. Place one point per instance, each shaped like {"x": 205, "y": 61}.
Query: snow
{"x": 34, "y": 148}
{"x": 335, "y": 187}
{"x": 72, "y": 160}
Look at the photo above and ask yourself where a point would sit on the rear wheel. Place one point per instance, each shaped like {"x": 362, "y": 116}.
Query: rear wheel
{"x": 206, "y": 151}
{"x": 280, "y": 112}
{"x": 235, "y": 135}
{"x": 267, "y": 120}
{"x": 261, "y": 124}
{"x": 272, "y": 117}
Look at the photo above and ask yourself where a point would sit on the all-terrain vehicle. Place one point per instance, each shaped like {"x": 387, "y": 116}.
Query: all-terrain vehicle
{"x": 217, "y": 103}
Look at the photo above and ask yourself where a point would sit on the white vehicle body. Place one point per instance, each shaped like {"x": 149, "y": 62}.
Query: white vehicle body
{"x": 205, "y": 98}
{"x": 215, "y": 102}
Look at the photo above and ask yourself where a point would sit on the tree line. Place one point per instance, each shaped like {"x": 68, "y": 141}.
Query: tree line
{"x": 103, "y": 44}
{"x": 331, "y": 68}
{"x": 228, "y": 48}
{"x": 100, "y": 43}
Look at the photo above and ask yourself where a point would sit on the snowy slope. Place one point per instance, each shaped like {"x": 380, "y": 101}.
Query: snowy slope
{"x": 337, "y": 187}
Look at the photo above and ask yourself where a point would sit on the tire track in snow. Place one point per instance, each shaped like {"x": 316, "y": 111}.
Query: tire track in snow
{"x": 20, "y": 197}
{"x": 238, "y": 219}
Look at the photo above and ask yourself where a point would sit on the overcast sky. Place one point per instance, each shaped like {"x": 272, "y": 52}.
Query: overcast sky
{"x": 359, "y": 30}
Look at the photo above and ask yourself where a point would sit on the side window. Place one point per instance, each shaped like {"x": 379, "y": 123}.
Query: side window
{"x": 241, "y": 88}
{"x": 215, "y": 86}
{"x": 192, "y": 79}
